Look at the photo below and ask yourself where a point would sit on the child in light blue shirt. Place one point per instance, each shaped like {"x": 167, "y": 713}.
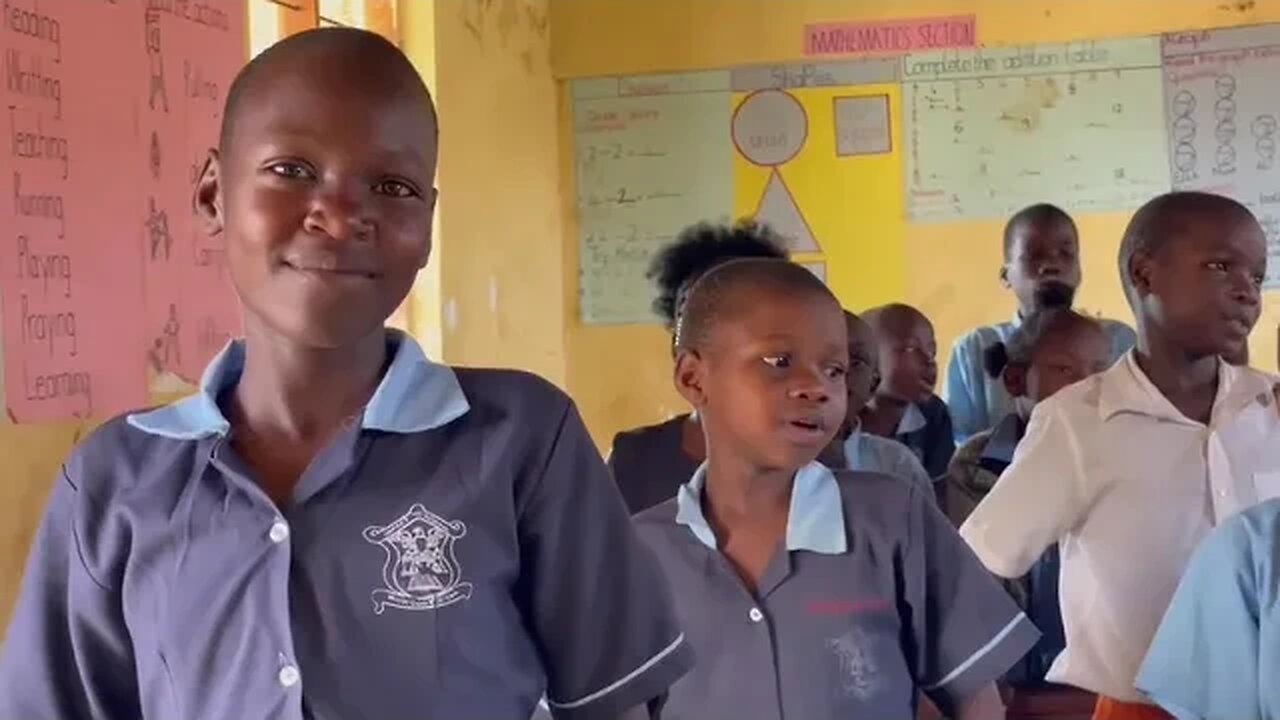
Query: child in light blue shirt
{"x": 1042, "y": 268}
{"x": 1217, "y": 653}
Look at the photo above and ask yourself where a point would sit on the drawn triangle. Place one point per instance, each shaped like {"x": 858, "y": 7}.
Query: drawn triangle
{"x": 819, "y": 269}
{"x": 779, "y": 211}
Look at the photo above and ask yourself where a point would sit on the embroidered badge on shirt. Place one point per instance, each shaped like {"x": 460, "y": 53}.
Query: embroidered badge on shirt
{"x": 420, "y": 572}
{"x": 859, "y": 672}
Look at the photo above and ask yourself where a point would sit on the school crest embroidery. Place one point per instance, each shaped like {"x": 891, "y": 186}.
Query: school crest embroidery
{"x": 859, "y": 672}
{"x": 420, "y": 572}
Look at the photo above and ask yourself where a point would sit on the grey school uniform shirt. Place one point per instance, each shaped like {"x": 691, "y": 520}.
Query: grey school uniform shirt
{"x": 873, "y": 596}
{"x": 459, "y": 550}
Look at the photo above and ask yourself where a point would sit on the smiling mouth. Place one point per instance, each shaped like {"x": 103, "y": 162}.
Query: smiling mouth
{"x": 330, "y": 272}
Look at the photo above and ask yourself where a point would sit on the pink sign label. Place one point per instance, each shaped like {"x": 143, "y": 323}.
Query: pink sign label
{"x": 890, "y": 37}
{"x": 108, "y": 108}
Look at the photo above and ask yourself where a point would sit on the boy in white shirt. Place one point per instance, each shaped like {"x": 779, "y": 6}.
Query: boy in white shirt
{"x": 1131, "y": 468}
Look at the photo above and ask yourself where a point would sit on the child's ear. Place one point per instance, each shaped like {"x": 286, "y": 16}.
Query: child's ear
{"x": 1015, "y": 380}
{"x": 1004, "y": 277}
{"x": 875, "y": 382}
{"x": 1140, "y": 266}
{"x": 689, "y": 374}
{"x": 208, "y": 195}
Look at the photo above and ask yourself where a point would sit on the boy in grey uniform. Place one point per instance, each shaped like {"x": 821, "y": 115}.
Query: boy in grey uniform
{"x": 810, "y": 594}
{"x": 336, "y": 527}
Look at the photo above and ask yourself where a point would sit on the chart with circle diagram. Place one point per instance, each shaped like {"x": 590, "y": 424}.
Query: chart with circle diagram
{"x": 1223, "y": 116}
{"x": 770, "y": 129}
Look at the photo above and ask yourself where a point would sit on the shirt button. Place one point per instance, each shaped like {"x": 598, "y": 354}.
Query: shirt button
{"x": 289, "y": 676}
{"x": 755, "y": 615}
{"x": 279, "y": 532}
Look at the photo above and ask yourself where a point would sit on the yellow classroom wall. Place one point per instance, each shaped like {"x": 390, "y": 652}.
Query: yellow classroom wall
{"x": 500, "y": 269}
{"x": 620, "y": 376}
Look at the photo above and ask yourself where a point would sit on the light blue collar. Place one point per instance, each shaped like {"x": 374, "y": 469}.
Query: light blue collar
{"x": 415, "y": 395}
{"x": 912, "y": 420}
{"x": 815, "y": 521}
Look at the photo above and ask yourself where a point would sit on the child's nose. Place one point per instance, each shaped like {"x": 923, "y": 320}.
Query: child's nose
{"x": 812, "y": 386}
{"x": 339, "y": 213}
{"x": 1248, "y": 293}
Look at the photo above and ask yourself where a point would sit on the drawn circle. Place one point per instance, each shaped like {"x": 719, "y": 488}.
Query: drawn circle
{"x": 1184, "y": 103}
{"x": 1184, "y": 129}
{"x": 1224, "y": 109}
{"x": 1225, "y": 132}
{"x": 1184, "y": 157}
{"x": 1225, "y": 85}
{"x": 1226, "y": 157}
{"x": 1264, "y": 126}
{"x": 770, "y": 127}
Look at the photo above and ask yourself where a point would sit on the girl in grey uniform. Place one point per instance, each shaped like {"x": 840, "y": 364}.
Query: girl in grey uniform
{"x": 650, "y": 462}
{"x": 806, "y": 592}
{"x": 334, "y": 526}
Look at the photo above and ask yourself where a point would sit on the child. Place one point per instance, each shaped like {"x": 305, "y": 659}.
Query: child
{"x": 857, "y": 450}
{"x": 1131, "y": 468}
{"x": 1042, "y": 268}
{"x": 335, "y": 527}
{"x": 1217, "y": 653}
{"x": 650, "y": 463}
{"x": 904, "y": 406}
{"x": 1050, "y": 350}
{"x": 808, "y": 593}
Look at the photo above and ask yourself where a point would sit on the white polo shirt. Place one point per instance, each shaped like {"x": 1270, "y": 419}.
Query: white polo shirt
{"x": 1129, "y": 486}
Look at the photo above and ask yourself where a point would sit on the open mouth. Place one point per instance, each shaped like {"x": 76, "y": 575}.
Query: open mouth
{"x": 807, "y": 427}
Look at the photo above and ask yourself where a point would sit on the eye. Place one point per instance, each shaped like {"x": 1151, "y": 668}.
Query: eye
{"x": 291, "y": 170}
{"x": 835, "y": 372}
{"x": 395, "y": 188}
{"x": 1216, "y": 266}
{"x": 780, "y": 362}
{"x": 1259, "y": 279}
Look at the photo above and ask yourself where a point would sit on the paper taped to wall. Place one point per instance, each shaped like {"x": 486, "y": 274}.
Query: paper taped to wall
{"x": 109, "y": 109}
{"x": 1224, "y": 121}
{"x": 653, "y": 156}
{"x": 988, "y": 132}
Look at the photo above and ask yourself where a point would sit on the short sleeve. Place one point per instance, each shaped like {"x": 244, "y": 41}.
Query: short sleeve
{"x": 67, "y": 654}
{"x": 1204, "y": 661}
{"x": 1039, "y": 497}
{"x": 598, "y": 603}
{"x": 966, "y": 631}
{"x": 963, "y": 391}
